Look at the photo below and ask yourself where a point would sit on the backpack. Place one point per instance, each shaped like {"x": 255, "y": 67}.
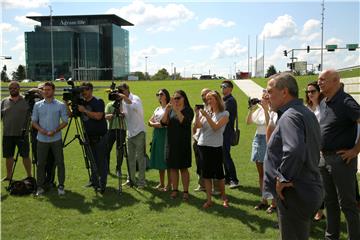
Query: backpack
{"x": 23, "y": 187}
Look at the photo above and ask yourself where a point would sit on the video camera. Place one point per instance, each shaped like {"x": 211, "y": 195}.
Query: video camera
{"x": 73, "y": 95}
{"x": 32, "y": 96}
{"x": 114, "y": 95}
{"x": 253, "y": 101}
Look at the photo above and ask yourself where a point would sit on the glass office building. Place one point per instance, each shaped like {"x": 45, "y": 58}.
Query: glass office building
{"x": 84, "y": 47}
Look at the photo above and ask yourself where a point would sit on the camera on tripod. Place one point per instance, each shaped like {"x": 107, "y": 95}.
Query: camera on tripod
{"x": 32, "y": 96}
{"x": 73, "y": 95}
{"x": 253, "y": 102}
{"x": 114, "y": 95}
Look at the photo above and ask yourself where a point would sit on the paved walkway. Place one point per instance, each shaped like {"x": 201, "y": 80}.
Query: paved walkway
{"x": 253, "y": 90}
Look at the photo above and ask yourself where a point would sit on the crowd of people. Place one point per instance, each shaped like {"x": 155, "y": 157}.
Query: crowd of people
{"x": 305, "y": 154}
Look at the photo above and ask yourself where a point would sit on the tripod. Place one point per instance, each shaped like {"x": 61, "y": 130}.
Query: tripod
{"x": 120, "y": 145}
{"x": 23, "y": 137}
{"x": 88, "y": 156}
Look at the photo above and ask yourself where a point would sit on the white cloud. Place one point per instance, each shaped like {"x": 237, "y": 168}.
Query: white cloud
{"x": 137, "y": 58}
{"x": 25, "y": 3}
{"x": 228, "y": 48}
{"x": 334, "y": 41}
{"x": 19, "y": 45}
{"x": 311, "y": 25}
{"x": 7, "y": 27}
{"x": 198, "y": 47}
{"x": 26, "y": 21}
{"x": 215, "y": 22}
{"x": 283, "y": 26}
{"x": 156, "y": 18}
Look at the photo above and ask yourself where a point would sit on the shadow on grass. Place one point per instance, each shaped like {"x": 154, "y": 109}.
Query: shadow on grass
{"x": 109, "y": 201}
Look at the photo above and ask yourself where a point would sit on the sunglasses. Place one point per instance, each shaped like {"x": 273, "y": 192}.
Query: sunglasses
{"x": 177, "y": 98}
{"x": 224, "y": 86}
{"x": 310, "y": 91}
{"x": 159, "y": 94}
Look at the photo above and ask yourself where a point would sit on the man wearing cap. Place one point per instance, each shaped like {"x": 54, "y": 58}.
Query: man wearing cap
{"x": 231, "y": 107}
{"x": 13, "y": 115}
{"x": 134, "y": 117}
{"x": 93, "y": 117}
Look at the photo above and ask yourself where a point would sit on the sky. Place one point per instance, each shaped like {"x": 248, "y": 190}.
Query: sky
{"x": 202, "y": 37}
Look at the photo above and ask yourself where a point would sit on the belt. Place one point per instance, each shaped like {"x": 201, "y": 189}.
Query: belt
{"x": 327, "y": 153}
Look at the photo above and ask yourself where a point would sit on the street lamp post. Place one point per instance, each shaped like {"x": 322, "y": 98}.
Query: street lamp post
{"x": 172, "y": 71}
{"x": 52, "y": 46}
{"x": 146, "y": 58}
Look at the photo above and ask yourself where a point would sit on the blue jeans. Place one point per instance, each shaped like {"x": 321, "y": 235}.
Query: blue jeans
{"x": 230, "y": 171}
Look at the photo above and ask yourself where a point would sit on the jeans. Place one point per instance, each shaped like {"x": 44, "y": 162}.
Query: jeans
{"x": 230, "y": 171}
{"x": 99, "y": 152}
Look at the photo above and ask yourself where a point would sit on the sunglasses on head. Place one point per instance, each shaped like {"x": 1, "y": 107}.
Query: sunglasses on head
{"x": 310, "y": 91}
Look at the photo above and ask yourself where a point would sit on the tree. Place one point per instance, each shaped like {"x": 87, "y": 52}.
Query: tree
{"x": 140, "y": 75}
{"x": 270, "y": 71}
{"x": 19, "y": 74}
{"x": 4, "y": 77}
{"x": 162, "y": 74}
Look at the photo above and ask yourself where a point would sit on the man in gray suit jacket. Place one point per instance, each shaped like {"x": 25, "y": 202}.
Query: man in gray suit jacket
{"x": 291, "y": 162}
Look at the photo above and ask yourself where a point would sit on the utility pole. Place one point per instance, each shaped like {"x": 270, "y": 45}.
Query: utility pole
{"x": 52, "y": 45}
{"x": 322, "y": 33}
{"x": 146, "y": 58}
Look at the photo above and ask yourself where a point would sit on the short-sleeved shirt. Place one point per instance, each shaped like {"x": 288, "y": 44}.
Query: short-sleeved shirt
{"x": 159, "y": 113}
{"x": 92, "y": 126}
{"x": 48, "y": 115}
{"x": 209, "y": 137}
{"x": 258, "y": 118}
{"x": 115, "y": 122}
{"x": 134, "y": 116}
{"x": 14, "y": 115}
{"x": 338, "y": 122}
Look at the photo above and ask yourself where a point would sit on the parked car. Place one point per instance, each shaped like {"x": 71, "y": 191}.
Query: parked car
{"x": 26, "y": 80}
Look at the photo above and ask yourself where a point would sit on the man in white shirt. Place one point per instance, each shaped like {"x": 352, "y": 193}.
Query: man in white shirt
{"x": 134, "y": 117}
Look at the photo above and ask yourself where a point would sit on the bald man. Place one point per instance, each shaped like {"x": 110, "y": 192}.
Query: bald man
{"x": 15, "y": 114}
{"x": 339, "y": 115}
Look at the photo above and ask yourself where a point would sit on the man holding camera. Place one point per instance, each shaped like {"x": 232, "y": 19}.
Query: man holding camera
{"x": 231, "y": 107}
{"x": 46, "y": 119}
{"x": 134, "y": 116}
{"x": 14, "y": 115}
{"x": 93, "y": 117}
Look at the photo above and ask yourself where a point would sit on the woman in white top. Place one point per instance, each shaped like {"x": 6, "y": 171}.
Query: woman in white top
{"x": 159, "y": 140}
{"x": 212, "y": 125}
{"x": 259, "y": 114}
{"x": 313, "y": 98}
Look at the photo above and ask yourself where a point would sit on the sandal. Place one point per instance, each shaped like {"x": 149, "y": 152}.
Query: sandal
{"x": 208, "y": 205}
{"x": 271, "y": 210}
{"x": 174, "y": 193}
{"x": 225, "y": 203}
{"x": 186, "y": 196}
{"x": 261, "y": 206}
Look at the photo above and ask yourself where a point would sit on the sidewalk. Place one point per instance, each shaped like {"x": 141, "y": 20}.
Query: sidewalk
{"x": 253, "y": 90}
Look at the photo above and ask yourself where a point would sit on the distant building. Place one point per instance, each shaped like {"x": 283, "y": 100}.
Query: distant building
{"x": 85, "y": 47}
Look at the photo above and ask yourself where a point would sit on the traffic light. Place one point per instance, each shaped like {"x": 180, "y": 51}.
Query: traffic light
{"x": 308, "y": 49}
{"x": 285, "y": 53}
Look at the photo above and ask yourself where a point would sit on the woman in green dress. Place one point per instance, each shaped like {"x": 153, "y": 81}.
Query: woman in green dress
{"x": 159, "y": 140}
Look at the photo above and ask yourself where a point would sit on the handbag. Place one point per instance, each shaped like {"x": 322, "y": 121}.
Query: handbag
{"x": 236, "y": 136}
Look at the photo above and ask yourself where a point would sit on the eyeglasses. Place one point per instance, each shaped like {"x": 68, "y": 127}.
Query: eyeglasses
{"x": 310, "y": 91}
{"x": 159, "y": 94}
{"x": 177, "y": 98}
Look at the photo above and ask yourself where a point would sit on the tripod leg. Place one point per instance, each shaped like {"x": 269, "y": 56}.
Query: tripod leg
{"x": 13, "y": 169}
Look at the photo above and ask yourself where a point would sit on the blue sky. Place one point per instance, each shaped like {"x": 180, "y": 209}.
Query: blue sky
{"x": 203, "y": 36}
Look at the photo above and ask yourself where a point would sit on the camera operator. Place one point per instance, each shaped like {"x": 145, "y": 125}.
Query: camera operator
{"x": 13, "y": 109}
{"x": 93, "y": 117}
{"x": 46, "y": 119}
{"x": 134, "y": 116}
{"x": 117, "y": 131}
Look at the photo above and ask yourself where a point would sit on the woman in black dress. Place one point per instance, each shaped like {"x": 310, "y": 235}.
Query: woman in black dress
{"x": 178, "y": 118}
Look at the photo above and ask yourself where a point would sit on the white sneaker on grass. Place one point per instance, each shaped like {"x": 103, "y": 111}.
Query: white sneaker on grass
{"x": 61, "y": 191}
{"x": 40, "y": 191}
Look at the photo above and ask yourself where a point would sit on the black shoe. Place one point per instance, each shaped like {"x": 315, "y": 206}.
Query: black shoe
{"x": 89, "y": 184}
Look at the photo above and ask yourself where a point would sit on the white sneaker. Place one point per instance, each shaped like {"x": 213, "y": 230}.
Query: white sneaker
{"x": 128, "y": 184}
{"x": 61, "y": 191}
{"x": 234, "y": 185}
{"x": 40, "y": 191}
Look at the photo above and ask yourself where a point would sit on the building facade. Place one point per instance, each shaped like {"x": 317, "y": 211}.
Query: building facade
{"x": 83, "y": 47}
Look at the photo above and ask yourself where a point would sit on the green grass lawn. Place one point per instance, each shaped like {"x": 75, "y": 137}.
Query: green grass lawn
{"x": 146, "y": 214}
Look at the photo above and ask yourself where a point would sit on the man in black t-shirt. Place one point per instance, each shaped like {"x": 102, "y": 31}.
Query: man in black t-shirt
{"x": 339, "y": 115}
{"x": 93, "y": 117}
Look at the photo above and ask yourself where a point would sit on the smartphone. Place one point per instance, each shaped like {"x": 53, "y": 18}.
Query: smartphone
{"x": 199, "y": 106}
